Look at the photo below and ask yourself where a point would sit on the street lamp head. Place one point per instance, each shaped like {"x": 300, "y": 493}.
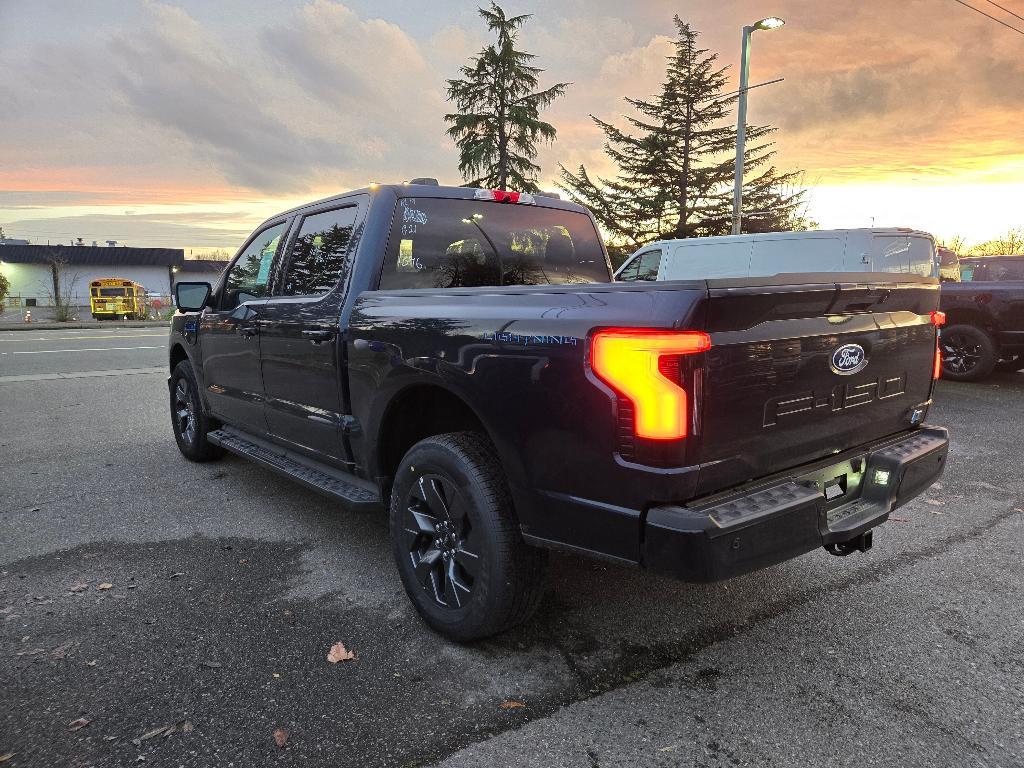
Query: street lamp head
{"x": 772, "y": 22}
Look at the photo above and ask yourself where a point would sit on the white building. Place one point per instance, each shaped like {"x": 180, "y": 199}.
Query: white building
{"x": 30, "y": 270}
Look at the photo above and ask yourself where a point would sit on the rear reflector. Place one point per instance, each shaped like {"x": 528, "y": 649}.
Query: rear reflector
{"x": 937, "y": 367}
{"x": 629, "y": 361}
{"x": 504, "y": 196}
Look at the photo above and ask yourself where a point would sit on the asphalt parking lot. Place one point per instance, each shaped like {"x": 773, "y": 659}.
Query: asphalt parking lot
{"x": 227, "y": 587}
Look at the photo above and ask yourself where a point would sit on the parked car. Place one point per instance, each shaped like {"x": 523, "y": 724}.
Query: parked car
{"x": 461, "y": 358}
{"x": 985, "y": 318}
{"x": 903, "y": 251}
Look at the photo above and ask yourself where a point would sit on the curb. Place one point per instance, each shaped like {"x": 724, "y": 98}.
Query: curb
{"x": 45, "y": 326}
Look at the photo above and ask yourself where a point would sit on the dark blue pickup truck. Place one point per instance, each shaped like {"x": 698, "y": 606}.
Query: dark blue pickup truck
{"x": 462, "y": 359}
{"x": 985, "y": 318}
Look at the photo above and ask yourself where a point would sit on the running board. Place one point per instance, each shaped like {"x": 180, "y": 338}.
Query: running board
{"x": 354, "y": 492}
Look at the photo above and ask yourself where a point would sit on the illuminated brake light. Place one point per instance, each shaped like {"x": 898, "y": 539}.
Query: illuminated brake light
{"x": 504, "y": 196}
{"x": 938, "y": 318}
{"x": 628, "y": 361}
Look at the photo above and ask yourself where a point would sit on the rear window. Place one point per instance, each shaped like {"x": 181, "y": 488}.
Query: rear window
{"x": 443, "y": 243}
{"x": 994, "y": 270}
{"x": 903, "y": 253}
{"x": 112, "y": 292}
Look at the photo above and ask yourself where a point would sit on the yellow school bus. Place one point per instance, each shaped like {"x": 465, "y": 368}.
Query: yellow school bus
{"x": 115, "y": 299}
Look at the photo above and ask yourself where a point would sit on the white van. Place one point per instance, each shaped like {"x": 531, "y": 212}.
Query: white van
{"x": 771, "y": 253}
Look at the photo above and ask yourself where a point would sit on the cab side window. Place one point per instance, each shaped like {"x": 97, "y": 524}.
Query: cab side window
{"x": 321, "y": 254}
{"x": 249, "y": 275}
{"x": 643, "y": 268}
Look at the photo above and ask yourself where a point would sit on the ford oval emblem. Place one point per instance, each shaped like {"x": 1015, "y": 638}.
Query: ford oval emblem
{"x": 849, "y": 358}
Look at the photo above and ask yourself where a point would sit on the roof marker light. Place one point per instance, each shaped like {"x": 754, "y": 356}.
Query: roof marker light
{"x": 504, "y": 196}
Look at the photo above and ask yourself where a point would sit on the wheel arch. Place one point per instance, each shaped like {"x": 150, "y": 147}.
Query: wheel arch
{"x": 178, "y": 354}
{"x": 968, "y": 316}
{"x": 414, "y": 413}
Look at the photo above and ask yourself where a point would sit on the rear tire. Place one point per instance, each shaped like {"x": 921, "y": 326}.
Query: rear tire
{"x": 456, "y": 541}
{"x": 968, "y": 353}
{"x": 188, "y": 417}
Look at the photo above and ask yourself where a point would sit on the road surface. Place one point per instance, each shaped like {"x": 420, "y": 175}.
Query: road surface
{"x": 228, "y": 585}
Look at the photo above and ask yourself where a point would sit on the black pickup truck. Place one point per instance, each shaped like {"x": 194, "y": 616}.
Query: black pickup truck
{"x": 985, "y": 318}
{"x": 461, "y": 358}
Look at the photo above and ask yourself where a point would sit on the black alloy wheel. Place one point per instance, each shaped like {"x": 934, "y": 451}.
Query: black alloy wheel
{"x": 456, "y": 540}
{"x": 440, "y": 540}
{"x": 968, "y": 353}
{"x": 184, "y": 411}
{"x": 188, "y": 418}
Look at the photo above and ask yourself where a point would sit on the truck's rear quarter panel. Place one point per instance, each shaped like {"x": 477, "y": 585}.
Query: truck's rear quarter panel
{"x": 517, "y": 358}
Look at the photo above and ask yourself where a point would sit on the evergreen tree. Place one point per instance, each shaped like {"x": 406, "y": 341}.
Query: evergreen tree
{"x": 676, "y": 162}
{"x": 497, "y": 125}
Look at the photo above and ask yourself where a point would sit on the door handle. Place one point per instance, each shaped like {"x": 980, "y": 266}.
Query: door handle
{"x": 248, "y": 331}
{"x": 317, "y": 335}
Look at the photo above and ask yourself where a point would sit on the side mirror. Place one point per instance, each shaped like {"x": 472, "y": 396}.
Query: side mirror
{"x": 191, "y": 297}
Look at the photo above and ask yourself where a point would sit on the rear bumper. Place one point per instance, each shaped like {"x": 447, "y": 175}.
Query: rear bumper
{"x": 769, "y": 521}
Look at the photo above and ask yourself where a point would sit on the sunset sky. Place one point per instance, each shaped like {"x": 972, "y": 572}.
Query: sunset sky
{"x": 184, "y": 124}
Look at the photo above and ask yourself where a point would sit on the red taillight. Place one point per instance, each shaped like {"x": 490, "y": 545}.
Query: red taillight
{"x": 938, "y": 318}
{"x": 629, "y": 362}
{"x": 504, "y": 196}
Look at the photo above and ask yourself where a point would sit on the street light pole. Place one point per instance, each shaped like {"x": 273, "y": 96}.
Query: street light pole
{"x": 772, "y": 22}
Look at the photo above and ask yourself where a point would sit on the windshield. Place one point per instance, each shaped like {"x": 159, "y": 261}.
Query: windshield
{"x": 443, "y": 243}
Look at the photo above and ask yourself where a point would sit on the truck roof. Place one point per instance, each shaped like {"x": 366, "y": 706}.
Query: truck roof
{"x": 408, "y": 189}
{"x": 794, "y": 235}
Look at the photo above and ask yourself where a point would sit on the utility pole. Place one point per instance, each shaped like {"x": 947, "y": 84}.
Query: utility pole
{"x": 772, "y": 22}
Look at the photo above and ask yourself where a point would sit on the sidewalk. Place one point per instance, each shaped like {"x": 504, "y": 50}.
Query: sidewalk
{"x": 49, "y": 325}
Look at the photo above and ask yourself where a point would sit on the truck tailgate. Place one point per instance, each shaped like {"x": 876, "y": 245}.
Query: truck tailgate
{"x": 800, "y": 371}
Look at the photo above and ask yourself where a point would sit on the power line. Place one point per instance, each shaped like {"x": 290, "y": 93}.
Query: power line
{"x": 997, "y": 21}
{"x": 1007, "y": 10}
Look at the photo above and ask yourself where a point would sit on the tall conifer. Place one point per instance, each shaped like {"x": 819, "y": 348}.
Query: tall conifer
{"x": 676, "y": 161}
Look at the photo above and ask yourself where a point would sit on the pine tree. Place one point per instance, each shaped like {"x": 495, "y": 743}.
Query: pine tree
{"x": 676, "y": 162}
{"x": 497, "y": 125}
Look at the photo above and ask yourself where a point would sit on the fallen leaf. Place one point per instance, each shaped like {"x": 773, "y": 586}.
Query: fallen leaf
{"x": 161, "y": 731}
{"x": 6, "y": 756}
{"x": 935, "y": 502}
{"x": 243, "y": 561}
{"x": 281, "y": 737}
{"x": 276, "y": 675}
{"x": 76, "y": 725}
{"x": 91, "y": 663}
{"x": 80, "y": 587}
{"x": 898, "y": 519}
{"x": 511, "y": 704}
{"x": 105, "y": 585}
{"x": 187, "y": 727}
{"x": 61, "y": 651}
{"x": 338, "y": 653}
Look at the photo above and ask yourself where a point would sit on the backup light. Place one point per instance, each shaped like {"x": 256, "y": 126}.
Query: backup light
{"x": 627, "y": 360}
